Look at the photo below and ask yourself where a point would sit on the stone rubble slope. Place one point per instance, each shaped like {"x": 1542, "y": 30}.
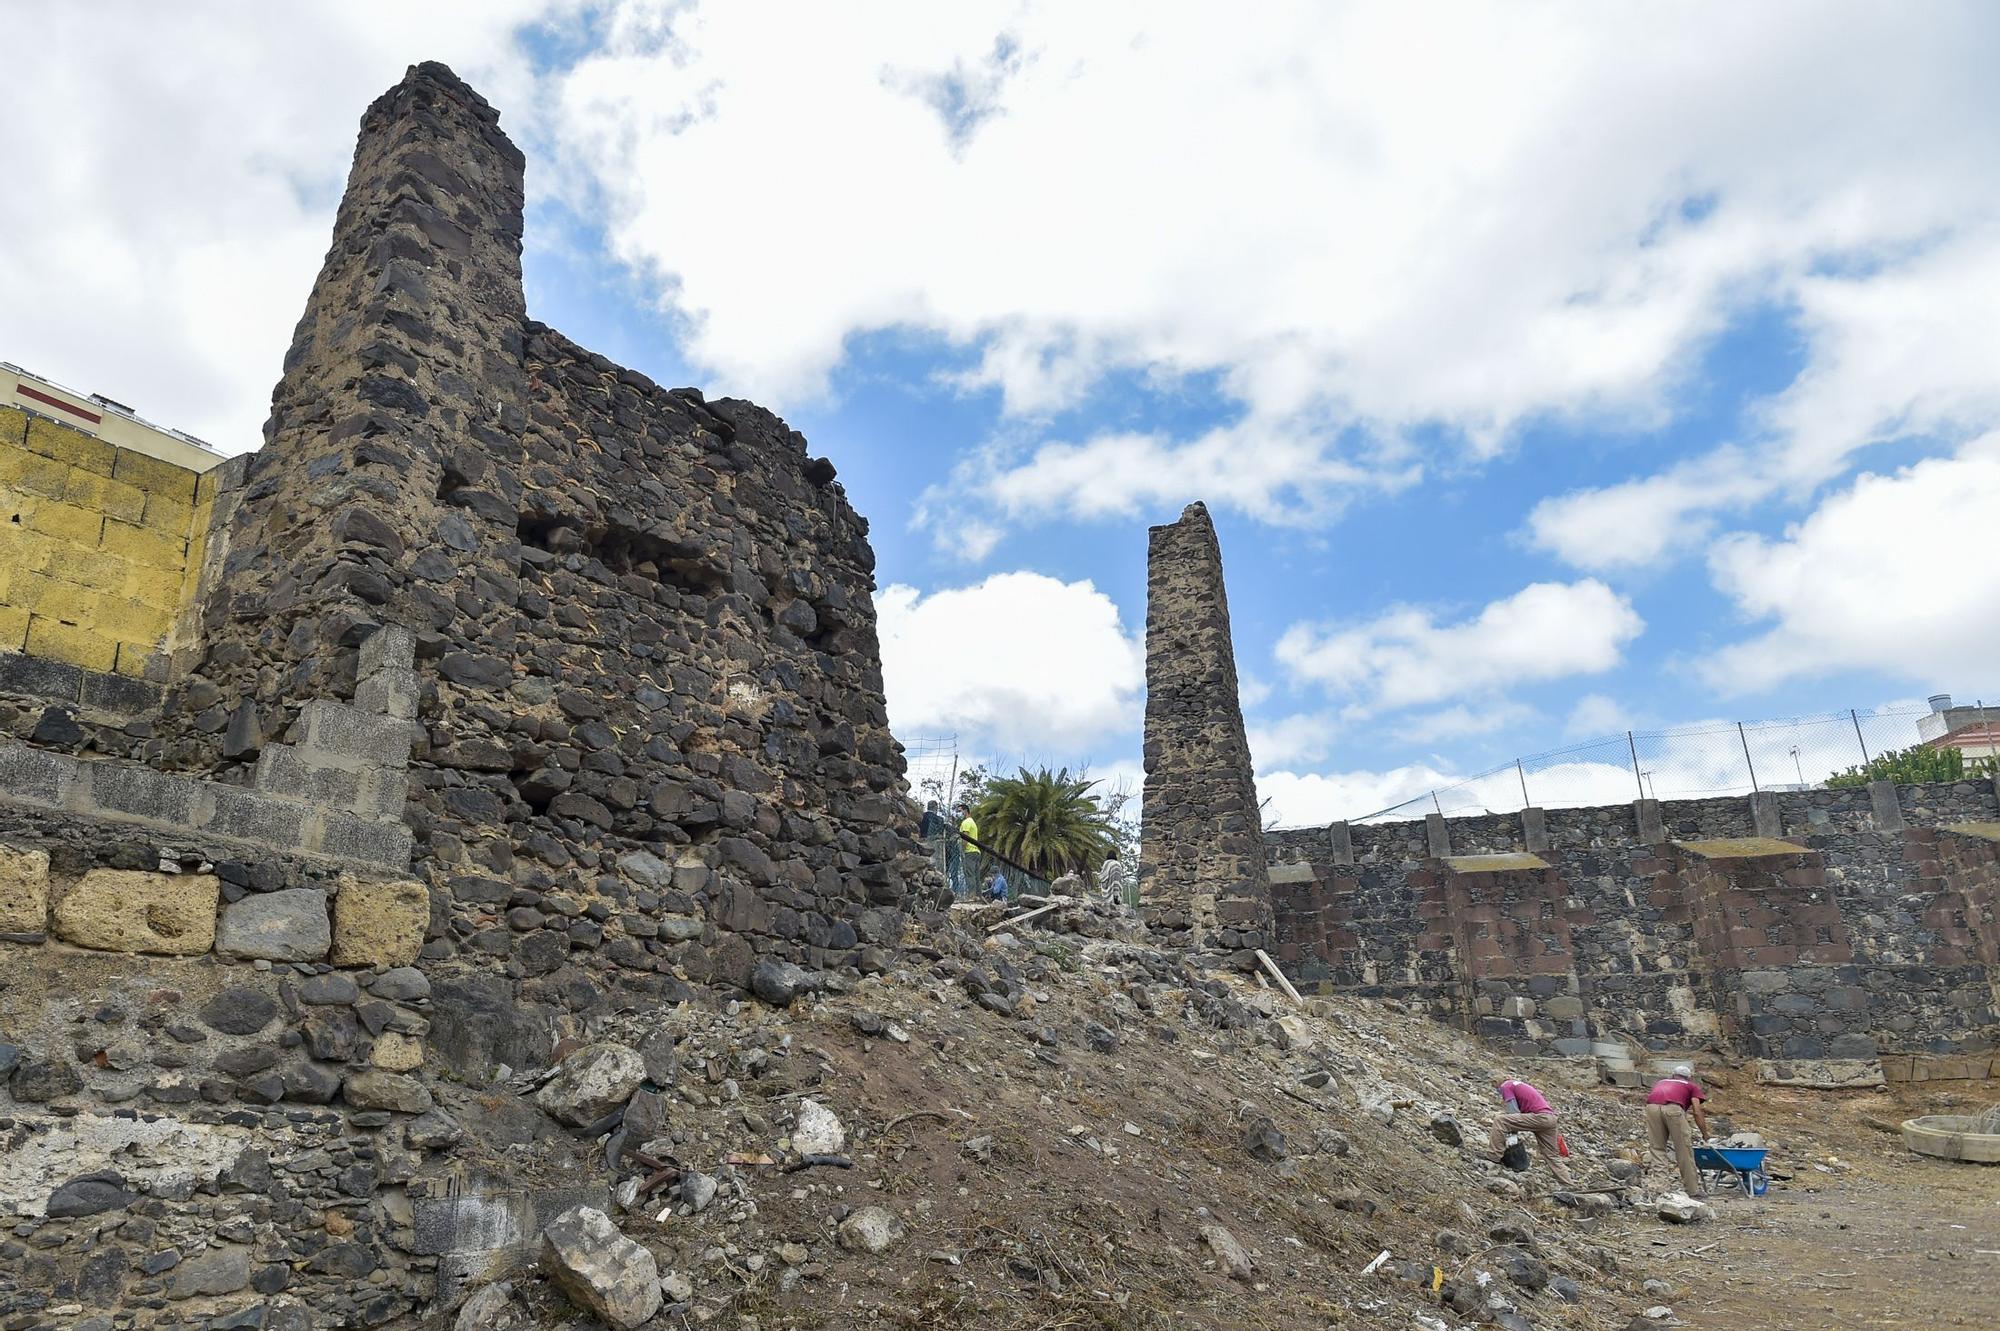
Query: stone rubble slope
{"x": 1039, "y": 1128}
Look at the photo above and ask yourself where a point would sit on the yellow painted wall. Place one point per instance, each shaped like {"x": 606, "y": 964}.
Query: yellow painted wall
{"x": 99, "y": 545}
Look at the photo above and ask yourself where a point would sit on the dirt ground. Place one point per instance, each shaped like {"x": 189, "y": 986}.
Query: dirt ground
{"x": 1890, "y": 1240}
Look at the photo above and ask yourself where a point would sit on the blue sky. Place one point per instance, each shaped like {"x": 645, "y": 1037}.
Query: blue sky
{"x": 1549, "y": 371}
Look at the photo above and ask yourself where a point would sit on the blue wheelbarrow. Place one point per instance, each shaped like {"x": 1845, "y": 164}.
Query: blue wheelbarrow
{"x": 1734, "y": 1167}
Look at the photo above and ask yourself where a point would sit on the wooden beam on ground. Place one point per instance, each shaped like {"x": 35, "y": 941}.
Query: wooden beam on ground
{"x": 1039, "y": 910}
{"x": 1271, "y": 967}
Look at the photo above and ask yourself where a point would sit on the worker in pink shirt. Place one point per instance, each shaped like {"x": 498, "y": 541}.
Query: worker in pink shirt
{"x": 1528, "y": 1110}
{"x": 1669, "y": 1105}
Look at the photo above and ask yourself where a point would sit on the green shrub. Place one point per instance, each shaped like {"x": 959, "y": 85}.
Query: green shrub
{"x": 1915, "y": 766}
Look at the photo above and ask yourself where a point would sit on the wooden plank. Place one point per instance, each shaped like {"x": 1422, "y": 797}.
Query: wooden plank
{"x": 1271, "y": 967}
{"x": 1039, "y": 910}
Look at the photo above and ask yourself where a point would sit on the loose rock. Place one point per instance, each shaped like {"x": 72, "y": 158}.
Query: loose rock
{"x": 600, "y": 1269}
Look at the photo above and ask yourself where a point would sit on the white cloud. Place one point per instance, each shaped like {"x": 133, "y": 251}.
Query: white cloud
{"x": 172, "y": 173}
{"x": 1301, "y": 737}
{"x": 1868, "y": 581}
{"x": 1018, "y": 662}
{"x": 1308, "y": 799}
{"x": 1361, "y": 222}
{"x": 1595, "y": 714}
{"x": 1545, "y": 631}
{"x": 1461, "y": 721}
{"x": 1901, "y": 348}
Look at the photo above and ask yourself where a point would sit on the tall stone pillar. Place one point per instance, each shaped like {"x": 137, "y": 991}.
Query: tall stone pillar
{"x": 1201, "y": 857}
{"x": 385, "y": 490}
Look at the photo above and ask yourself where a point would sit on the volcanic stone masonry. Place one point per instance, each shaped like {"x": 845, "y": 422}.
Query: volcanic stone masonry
{"x": 1201, "y": 855}
{"x": 1836, "y": 936}
{"x": 500, "y": 691}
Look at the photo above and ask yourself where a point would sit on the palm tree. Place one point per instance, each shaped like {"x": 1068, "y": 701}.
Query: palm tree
{"x": 1044, "y": 821}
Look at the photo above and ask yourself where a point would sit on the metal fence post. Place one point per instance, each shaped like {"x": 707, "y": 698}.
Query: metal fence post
{"x": 1746, "y": 755}
{"x": 1637, "y": 780}
{"x": 1522, "y": 772}
{"x": 1865, "y": 759}
{"x": 1435, "y": 805}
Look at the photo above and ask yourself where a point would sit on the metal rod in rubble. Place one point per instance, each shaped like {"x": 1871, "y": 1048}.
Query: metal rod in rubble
{"x": 1522, "y": 772}
{"x": 1637, "y": 779}
{"x": 1746, "y": 755}
{"x": 1865, "y": 759}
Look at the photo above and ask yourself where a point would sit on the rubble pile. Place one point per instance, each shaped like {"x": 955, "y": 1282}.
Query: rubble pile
{"x": 1015, "y": 1123}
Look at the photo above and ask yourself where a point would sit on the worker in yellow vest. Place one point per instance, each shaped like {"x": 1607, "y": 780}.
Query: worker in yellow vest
{"x": 968, "y": 832}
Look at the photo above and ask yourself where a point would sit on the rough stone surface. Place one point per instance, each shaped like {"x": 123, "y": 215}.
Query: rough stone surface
{"x": 376, "y": 1089}
{"x": 1201, "y": 857}
{"x": 491, "y": 1308}
{"x": 871, "y": 1230}
{"x": 24, "y": 891}
{"x": 379, "y": 924}
{"x": 777, "y": 982}
{"x": 128, "y": 910}
{"x": 277, "y": 926}
{"x": 817, "y": 1130}
{"x": 592, "y": 1082}
{"x": 604, "y": 1272}
{"x": 1229, "y": 1254}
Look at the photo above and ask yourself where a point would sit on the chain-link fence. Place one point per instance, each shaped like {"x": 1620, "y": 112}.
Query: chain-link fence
{"x": 1687, "y": 762}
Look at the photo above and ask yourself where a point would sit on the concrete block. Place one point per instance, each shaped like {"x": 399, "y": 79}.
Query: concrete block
{"x": 129, "y": 910}
{"x": 1340, "y": 842}
{"x": 140, "y": 660}
{"x": 41, "y": 678}
{"x": 13, "y": 628}
{"x": 1437, "y": 835}
{"x": 140, "y": 792}
{"x": 71, "y": 447}
{"x": 377, "y": 842}
{"x": 276, "y": 926}
{"x": 1534, "y": 830}
{"x": 1885, "y": 807}
{"x": 343, "y": 731}
{"x": 24, "y": 891}
{"x": 1765, "y": 819}
{"x": 384, "y": 792}
{"x": 389, "y": 693}
{"x": 35, "y": 776}
{"x": 142, "y": 545}
{"x": 57, "y": 641}
{"x": 120, "y": 695}
{"x": 379, "y": 923}
{"x": 72, "y": 523}
{"x": 390, "y": 648}
{"x": 1652, "y": 826}
{"x": 154, "y": 475}
{"x": 249, "y": 815}
{"x": 287, "y": 770}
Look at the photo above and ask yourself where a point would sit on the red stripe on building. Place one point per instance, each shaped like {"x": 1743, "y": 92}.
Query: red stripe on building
{"x": 58, "y": 403}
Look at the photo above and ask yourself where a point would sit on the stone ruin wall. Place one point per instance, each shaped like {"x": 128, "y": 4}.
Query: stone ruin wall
{"x": 1838, "y": 936}
{"x": 503, "y": 689}
{"x": 1833, "y": 934}
{"x": 1201, "y": 854}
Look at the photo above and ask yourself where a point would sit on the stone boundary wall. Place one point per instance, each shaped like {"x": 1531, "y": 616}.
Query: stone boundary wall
{"x": 336, "y": 792}
{"x": 1833, "y": 934}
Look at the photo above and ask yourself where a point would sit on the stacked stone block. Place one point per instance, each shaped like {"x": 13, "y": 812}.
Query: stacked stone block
{"x": 99, "y": 546}
{"x": 1202, "y": 869}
